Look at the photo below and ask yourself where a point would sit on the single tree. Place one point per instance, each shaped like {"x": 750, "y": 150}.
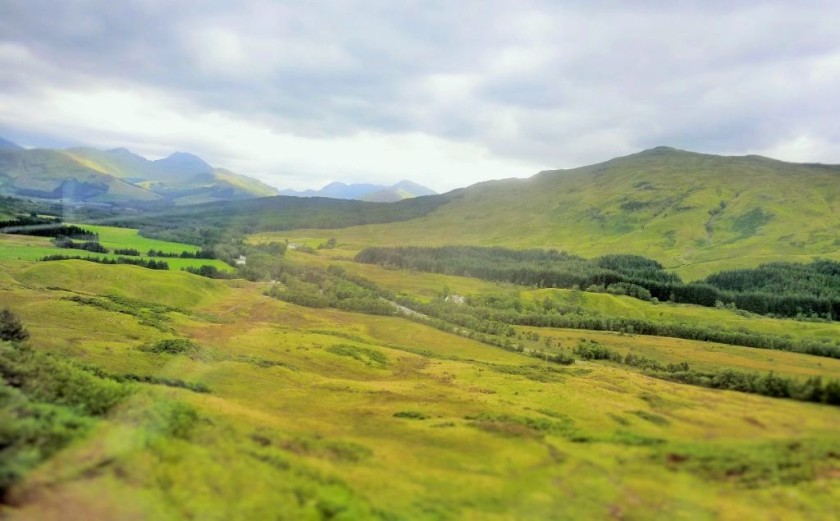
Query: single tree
{"x": 11, "y": 328}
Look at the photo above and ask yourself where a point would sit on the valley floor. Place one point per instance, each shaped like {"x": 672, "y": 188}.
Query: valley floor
{"x": 287, "y": 412}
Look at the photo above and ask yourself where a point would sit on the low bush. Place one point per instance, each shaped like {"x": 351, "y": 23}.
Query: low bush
{"x": 172, "y": 346}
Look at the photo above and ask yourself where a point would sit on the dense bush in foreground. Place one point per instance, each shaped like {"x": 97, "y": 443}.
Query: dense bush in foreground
{"x": 45, "y": 403}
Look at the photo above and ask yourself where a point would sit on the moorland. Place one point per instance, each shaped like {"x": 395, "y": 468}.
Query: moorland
{"x": 655, "y": 336}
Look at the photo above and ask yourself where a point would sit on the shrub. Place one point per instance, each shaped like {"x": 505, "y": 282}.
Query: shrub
{"x": 11, "y": 328}
{"x": 172, "y": 346}
{"x": 588, "y": 350}
{"x": 411, "y": 415}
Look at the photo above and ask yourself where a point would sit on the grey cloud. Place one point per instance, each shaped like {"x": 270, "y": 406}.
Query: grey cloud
{"x": 556, "y": 83}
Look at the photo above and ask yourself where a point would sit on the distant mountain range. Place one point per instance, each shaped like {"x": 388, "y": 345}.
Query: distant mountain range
{"x": 119, "y": 176}
{"x": 366, "y": 192}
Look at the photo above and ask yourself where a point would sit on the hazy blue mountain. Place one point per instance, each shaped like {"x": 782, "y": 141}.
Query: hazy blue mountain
{"x": 366, "y": 191}
{"x": 8, "y": 145}
{"x": 184, "y": 165}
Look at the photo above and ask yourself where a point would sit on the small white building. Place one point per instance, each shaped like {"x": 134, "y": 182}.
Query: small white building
{"x": 241, "y": 260}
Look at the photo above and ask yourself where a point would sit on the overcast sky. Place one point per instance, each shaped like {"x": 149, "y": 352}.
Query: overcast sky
{"x": 445, "y": 93}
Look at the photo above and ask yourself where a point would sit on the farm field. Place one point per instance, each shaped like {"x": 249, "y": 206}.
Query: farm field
{"x": 23, "y": 247}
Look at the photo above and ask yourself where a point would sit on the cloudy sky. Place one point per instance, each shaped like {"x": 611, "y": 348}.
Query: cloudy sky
{"x": 445, "y": 93}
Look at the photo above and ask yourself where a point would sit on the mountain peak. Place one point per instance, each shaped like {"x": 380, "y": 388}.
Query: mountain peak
{"x": 660, "y": 150}
{"x": 365, "y": 192}
{"x": 183, "y": 156}
{"x": 184, "y": 163}
{"x": 413, "y": 188}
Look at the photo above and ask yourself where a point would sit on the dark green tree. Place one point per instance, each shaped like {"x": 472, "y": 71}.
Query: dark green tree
{"x": 11, "y": 328}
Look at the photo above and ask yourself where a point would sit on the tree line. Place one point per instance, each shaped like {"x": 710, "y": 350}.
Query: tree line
{"x": 45, "y": 227}
{"x": 495, "y": 317}
{"x": 812, "y": 389}
{"x": 200, "y": 254}
{"x": 778, "y": 289}
{"x": 330, "y": 288}
{"x": 150, "y": 264}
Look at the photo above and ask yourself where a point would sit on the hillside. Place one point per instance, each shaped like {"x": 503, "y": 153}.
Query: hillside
{"x": 119, "y": 176}
{"x": 320, "y": 413}
{"x": 51, "y": 174}
{"x": 695, "y": 213}
{"x": 300, "y": 387}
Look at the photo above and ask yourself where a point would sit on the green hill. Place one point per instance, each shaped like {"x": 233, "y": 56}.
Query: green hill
{"x": 51, "y": 174}
{"x": 696, "y": 213}
{"x": 118, "y": 175}
{"x": 307, "y": 393}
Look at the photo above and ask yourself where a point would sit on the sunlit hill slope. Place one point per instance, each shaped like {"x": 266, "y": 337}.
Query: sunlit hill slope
{"x": 694, "y": 212}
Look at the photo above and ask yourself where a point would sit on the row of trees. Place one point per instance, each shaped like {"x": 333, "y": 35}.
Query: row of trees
{"x": 478, "y": 316}
{"x": 534, "y": 267}
{"x": 151, "y": 264}
{"x": 780, "y": 289}
{"x": 45, "y": 227}
{"x": 92, "y": 246}
{"x": 331, "y": 288}
{"x": 204, "y": 253}
{"x": 812, "y": 389}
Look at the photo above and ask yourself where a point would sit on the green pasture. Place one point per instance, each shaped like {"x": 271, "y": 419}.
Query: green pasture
{"x": 22, "y": 247}
{"x": 112, "y": 237}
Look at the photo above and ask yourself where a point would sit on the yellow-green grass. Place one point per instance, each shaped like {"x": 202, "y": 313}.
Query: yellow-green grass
{"x": 287, "y": 419}
{"x": 622, "y": 306}
{"x": 431, "y": 285}
{"x": 416, "y": 232}
{"x": 22, "y": 247}
{"x": 419, "y": 284}
{"x": 702, "y": 355}
{"x": 161, "y": 287}
{"x": 699, "y": 355}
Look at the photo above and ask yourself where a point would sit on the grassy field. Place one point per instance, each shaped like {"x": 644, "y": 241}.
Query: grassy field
{"x": 22, "y": 247}
{"x": 112, "y": 237}
{"x": 428, "y": 286}
{"x": 317, "y": 414}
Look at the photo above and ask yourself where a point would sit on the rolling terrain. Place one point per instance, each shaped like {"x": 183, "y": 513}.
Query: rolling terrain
{"x": 119, "y": 176}
{"x": 315, "y": 386}
{"x": 694, "y": 213}
{"x": 289, "y": 411}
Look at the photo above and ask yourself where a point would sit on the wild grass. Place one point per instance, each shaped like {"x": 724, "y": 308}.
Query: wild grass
{"x": 321, "y": 413}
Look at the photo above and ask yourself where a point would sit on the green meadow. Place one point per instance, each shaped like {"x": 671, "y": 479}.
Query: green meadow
{"x": 22, "y": 247}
